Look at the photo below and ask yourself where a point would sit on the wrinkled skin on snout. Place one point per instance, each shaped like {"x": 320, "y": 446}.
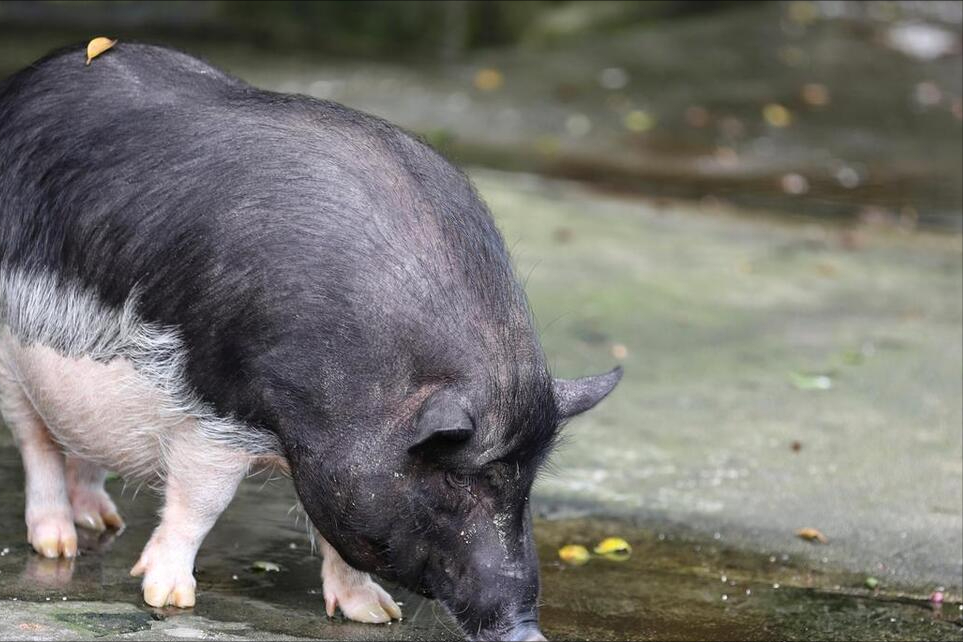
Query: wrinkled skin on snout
{"x": 441, "y": 505}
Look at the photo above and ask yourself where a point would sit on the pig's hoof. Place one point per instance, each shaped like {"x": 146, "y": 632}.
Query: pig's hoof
{"x": 366, "y": 602}
{"x": 164, "y": 583}
{"x": 163, "y": 589}
{"x": 170, "y": 593}
{"x": 94, "y": 509}
{"x": 53, "y": 535}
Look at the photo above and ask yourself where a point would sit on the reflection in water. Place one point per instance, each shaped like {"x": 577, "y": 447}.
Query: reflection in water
{"x": 48, "y": 573}
{"x": 670, "y": 587}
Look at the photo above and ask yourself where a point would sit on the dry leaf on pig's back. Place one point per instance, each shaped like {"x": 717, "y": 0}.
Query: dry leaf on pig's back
{"x": 98, "y": 46}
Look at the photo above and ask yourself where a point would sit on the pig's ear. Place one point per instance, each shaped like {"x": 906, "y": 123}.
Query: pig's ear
{"x": 575, "y": 396}
{"x": 442, "y": 421}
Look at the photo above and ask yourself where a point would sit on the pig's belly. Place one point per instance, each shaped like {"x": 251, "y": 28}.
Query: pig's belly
{"x": 103, "y": 412}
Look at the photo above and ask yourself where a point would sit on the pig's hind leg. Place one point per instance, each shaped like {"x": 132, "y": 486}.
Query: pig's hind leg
{"x": 200, "y": 481}
{"x": 354, "y": 592}
{"x": 50, "y": 527}
{"x": 92, "y": 506}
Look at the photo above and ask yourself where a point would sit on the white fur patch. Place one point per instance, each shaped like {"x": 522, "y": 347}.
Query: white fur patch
{"x": 109, "y": 385}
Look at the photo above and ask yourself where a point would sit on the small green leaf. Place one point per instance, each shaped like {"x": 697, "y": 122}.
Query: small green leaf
{"x": 805, "y": 381}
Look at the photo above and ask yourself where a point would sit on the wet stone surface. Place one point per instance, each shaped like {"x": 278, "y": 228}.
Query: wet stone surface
{"x": 675, "y": 586}
{"x": 723, "y": 438}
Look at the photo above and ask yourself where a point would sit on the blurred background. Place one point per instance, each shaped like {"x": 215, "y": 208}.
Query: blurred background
{"x": 830, "y": 109}
{"x": 755, "y": 207}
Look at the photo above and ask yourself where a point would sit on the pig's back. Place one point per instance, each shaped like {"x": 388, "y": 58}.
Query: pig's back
{"x": 265, "y": 228}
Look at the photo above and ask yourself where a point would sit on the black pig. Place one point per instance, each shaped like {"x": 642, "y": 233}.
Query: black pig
{"x": 197, "y": 276}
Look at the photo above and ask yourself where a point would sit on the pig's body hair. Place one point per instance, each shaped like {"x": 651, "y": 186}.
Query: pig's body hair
{"x": 36, "y": 311}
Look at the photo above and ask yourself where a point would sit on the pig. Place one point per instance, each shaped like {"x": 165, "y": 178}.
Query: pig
{"x": 199, "y": 278}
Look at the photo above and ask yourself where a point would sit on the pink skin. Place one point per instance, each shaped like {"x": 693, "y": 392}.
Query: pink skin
{"x": 355, "y": 593}
{"x": 111, "y": 415}
{"x": 50, "y": 525}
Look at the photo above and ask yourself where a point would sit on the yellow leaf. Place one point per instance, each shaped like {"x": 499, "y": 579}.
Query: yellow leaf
{"x": 777, "y": 115}
{"x": 813, "y": 535}
{"x": 98, "y": 46}
{"x": 614, "y": 548}
{"x": 488, "y": 79}
{"x": 573, "y": 554}
{"x": 639, "y": 121}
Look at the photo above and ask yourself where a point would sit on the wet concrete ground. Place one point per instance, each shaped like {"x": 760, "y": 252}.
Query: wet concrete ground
{"x": 675, "y": 586}
{"x": 728, "y": 326}
{"x": 723, "y": 323}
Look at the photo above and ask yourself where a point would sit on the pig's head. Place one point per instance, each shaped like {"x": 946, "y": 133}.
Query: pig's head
{"x": 439, "y": 502}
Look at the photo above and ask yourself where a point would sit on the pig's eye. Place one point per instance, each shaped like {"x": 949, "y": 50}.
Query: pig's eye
{"x": 458, "y": 480}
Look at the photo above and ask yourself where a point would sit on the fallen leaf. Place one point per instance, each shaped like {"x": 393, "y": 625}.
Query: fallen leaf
{"x": 803, "y": 12}
{"x": 815, "y": 94}
{"x": 98, "y": 46}
{"x": 574, "y": 554}
{"x": 614, "y": 548}
{"x": 620, "y": 351}
{"x": 697, "y": 116}
{"x": 639, "y": 121}
{"x": 488, "y": 79}
{"x": 812, "y": 535}
{"x": 563, "y": 234}
{"x": 811, "y": 381}
{"x": 777, "y": 115}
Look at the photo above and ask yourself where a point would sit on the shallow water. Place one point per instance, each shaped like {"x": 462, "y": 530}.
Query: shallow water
{"x": 673, "y": 587}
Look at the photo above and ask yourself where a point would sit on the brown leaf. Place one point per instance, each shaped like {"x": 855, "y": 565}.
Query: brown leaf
{"x": 812, "y": 535}
{"x": 98, "y": 46}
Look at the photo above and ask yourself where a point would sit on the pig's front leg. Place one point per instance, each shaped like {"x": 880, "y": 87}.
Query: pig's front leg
{"x": 201, "y": 479}
{"x": 354, "y": 592}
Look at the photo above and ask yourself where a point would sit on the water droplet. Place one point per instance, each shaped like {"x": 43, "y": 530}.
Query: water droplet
{"x": 848, "y": 177}
{"x": 578, "y": 125}
{"x": 794, "y": 184}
